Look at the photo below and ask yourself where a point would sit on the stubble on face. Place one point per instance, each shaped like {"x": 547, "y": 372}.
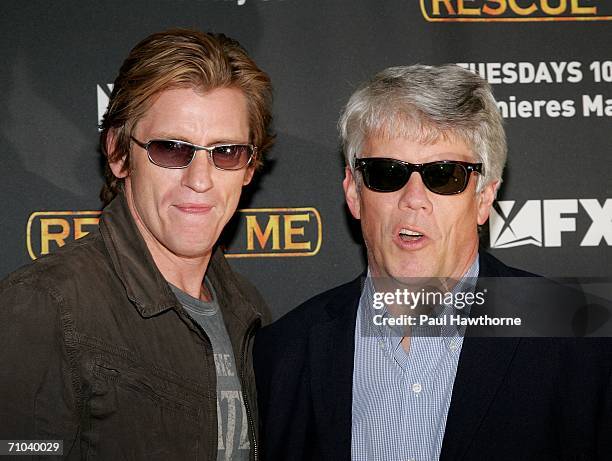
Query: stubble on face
{"x": 181, "y": 212}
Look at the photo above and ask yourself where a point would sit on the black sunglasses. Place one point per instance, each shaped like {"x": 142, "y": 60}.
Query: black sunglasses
{"x": 446, "y": 177}
{"x": 169, "y": 153}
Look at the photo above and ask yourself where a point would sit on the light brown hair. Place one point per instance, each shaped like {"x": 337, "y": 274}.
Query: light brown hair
{"x": 181, "y": 58}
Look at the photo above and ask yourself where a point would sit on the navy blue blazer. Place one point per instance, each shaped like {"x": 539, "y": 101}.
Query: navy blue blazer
{"x": 513, "y": 398}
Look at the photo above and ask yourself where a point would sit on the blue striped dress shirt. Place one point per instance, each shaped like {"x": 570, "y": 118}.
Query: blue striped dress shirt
{"x": 401, "y": 400}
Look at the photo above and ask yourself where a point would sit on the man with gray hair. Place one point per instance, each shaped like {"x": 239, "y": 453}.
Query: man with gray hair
{"x": 350, "y": 375}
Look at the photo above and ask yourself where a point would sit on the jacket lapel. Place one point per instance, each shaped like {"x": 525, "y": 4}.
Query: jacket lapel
{"x": 332, "y": 347}
{"x": 483, "y": 364}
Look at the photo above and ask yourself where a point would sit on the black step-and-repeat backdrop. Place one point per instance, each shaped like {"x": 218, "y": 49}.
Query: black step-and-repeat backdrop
{"x": 549, "y": 61}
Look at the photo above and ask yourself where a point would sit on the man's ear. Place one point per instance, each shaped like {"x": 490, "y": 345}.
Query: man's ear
{"x": 248, "y": 175}
{"x": 351, "y": 193}
{"x": 116, "y": 166}
{"x": 485, "y": 201}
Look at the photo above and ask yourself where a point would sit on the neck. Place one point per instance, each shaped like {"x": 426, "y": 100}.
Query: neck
{"x": 462, "y": 270}
{"x": 187, "y": 274}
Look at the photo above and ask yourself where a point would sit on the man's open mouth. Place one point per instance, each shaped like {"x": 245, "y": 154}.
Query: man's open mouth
{"x": 408, "y": 235}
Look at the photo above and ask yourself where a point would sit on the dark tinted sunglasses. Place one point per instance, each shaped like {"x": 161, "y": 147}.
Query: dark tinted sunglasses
{"x": 169, "y": 153}
{"x": 446, "y": 177}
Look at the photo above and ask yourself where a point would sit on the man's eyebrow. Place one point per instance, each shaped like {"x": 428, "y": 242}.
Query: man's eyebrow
{"x": 182, "y": 138}
{"x": 450, "y": 156}
{"x": 228, "y": 141}
{"x": 169, "y": 136}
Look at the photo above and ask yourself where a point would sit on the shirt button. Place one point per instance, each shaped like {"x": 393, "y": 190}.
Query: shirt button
{"x": 416, "y": 388}
{"x": 453, "y": 346}
{"x": 381, "y": 344}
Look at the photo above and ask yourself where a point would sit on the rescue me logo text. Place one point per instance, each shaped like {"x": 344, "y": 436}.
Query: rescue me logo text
{"x": 274, "y": 232}
{"x": 261, "y": 232}
{"x": 515, "y": 10}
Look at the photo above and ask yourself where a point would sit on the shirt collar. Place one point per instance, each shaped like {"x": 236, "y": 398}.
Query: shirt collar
{"x": 392, "y": 336}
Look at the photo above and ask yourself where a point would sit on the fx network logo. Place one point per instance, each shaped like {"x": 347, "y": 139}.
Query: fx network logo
{"x": 542, "y": 222}
{"x": 103, "y": 92}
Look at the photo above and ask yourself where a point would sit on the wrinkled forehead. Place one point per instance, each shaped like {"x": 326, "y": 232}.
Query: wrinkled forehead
{"x": 415, "y": 128}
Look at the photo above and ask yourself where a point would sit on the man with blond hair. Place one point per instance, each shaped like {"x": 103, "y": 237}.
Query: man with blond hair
{"x": 135, "y": 342}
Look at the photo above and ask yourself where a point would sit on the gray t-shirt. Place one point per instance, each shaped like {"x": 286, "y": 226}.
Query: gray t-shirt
{"x": 233, "y": 427}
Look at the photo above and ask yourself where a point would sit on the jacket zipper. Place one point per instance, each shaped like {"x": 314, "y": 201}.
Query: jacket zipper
{"x": 251, "y": 423}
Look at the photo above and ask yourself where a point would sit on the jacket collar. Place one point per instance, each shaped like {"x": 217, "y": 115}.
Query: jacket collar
{"x": 332, "y": 378}
{"x": 144, "y": 284}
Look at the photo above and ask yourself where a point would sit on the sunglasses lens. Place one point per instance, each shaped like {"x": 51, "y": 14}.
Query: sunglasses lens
{"x": 232, "y": 157}
{"x": 445, "y": 178}
{"x": 390, "y": 175}
{"x": 170, "y": 154}
{"x": 384, "y": 175}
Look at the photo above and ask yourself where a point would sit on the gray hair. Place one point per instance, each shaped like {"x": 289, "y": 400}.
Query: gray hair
{"x": 427, "y": 104}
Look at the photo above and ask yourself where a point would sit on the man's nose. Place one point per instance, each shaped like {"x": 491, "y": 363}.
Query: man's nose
{"x": 198, "y": 175}
{"x": 414, "y": 194}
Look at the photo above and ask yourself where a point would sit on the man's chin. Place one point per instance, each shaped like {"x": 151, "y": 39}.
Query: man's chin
{"x": 416, "y": 279}
{"x": 193, "y": 250}
{"x": 412, "y": 271}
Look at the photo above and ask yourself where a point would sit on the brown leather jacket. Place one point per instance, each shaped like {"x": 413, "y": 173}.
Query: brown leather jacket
{"x": 95, "y": 350}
